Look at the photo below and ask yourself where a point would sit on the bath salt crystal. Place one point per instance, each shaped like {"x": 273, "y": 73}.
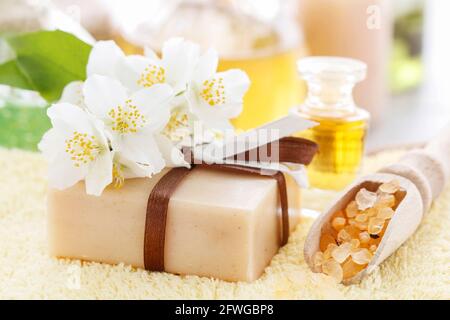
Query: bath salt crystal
{"x": 338, "y": 223}
{"x": 344, "y": 236}
{"x": 385, "y": 200}
{"x": 371, "y": 212}
{"x": 352, "y": 231}
{"x": 375, "y": 225}
{"x": 351, "y": 269}
{"x": 333, "y": 269}
{"x": 385, "y": 213}
{"x": 328, "y": 253}
{"x": 361, "y": 256}
{"x": 354, "y": 243}
{"x": 364, "y": 237}
{"x": 362, "y": 226}
{"x": 352, "y": 209}
{"x": 325, "y": 240}
{"x": 365, "y": 199}
{"x": 390, "y": 187}
{"x": 361, "y": 217}
{"x": 341, "y": 253}
{"x": 318, "y": 260}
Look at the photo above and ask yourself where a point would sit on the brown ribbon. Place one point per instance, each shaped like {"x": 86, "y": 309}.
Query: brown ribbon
{"x": 293, "y": 150}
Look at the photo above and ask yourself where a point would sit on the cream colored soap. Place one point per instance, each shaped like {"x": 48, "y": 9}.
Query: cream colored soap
{"x": 221, "y": 225}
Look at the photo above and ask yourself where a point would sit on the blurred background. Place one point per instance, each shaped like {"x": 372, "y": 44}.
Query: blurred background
{"x": 403, "y": 42}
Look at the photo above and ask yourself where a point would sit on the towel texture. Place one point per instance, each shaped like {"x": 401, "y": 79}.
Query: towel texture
{"x": 420, "y": 269}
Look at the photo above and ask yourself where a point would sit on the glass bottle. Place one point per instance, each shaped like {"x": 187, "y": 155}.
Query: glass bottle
{"x": 341, "y": 125}
{"x": 259, "y": 37}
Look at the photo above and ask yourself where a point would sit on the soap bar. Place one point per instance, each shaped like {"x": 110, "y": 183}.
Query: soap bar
{"x": 219, "y": 224}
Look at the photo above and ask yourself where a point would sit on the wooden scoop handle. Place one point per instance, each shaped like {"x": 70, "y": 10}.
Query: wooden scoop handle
{"x": 427, "y": 168}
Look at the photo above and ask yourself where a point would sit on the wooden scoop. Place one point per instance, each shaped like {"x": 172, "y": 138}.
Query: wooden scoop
{"x": 421, "y": 173}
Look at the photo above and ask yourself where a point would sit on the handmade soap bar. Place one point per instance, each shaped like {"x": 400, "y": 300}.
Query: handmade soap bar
{"x": 219, "y": 224}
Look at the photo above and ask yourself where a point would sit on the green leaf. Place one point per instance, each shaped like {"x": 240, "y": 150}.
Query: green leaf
{"x": 45, "y": 61}
{"x": 10, "y": 74}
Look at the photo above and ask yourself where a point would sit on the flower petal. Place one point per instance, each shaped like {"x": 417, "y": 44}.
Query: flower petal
{"x": 179, "y": 59}
{"x": 73, "y": 94}
{"x": 140, "y": 148}
{"x": 99, "y": 175}
{"x": 103, "y": 93}
{"x": 154, "y": 104}
{"x": 51, "y": 144}
{"x": 149, "y": 53}
{"x": 62, "y": 174}
{"x": 214, "y": 122}
{"x": 103, "y": 58}
{"x": 172, "y": 155}
{"x": 236, "y": 84}
{"x": 131, "y": 169}
{"x": 66, "y": 117}
{"x": 207, "y": 65}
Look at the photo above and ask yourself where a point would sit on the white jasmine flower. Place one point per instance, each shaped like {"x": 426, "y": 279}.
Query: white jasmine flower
{"x": 175, "y": 67}
{"x": 76, "y": 149}
{"x": 215, "y": 98}
{"x": 131, "y": 121}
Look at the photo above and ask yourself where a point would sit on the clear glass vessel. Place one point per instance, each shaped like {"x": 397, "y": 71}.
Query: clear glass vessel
{"x": 260, "y": 37}
{"x": 341, "y": 125}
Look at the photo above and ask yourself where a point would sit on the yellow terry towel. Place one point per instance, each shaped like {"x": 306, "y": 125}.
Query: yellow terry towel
{"x": 420, "y": 269}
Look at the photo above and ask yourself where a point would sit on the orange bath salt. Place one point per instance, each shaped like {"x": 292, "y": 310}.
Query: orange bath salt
{"x": 325, "y": 240}
{"x": 361, "y": 256}
{"x": 352, "y": 231}
{"x": 352, "y": 209}
{"x": 375, "y": 225}
{"x": 327, "y": 254}
{"x": 350, "y": 268}
{"x": 385, "y": 200}
{"x": 390, "y": 187}
{"x": 338, "y": 223}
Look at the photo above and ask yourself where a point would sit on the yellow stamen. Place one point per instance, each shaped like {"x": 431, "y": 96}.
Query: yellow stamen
{"x": 153, "y": 74}
{"x": 82, "y": 148}
{"x": 118, "y": 177}
{"x": 127, "y": 119}
{"x": 213, "y": 92}
{"x": 174, "y": 128}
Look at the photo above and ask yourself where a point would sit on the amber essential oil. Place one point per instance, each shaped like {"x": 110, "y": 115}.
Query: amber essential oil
{"x": 341, "y": 125}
